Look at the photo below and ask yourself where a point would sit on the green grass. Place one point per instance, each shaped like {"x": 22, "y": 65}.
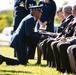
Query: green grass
{"x": 30, "y": 69}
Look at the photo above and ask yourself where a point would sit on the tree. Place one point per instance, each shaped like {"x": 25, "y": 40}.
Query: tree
{"x": 6, "y": 19}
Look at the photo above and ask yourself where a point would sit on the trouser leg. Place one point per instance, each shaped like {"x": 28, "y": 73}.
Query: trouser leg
{"x": 31, "y": 52}
{"x": 43, "y": 46}
{"x": 56, "y": 55}
{"x": 62, "y": 48}
{"x": 39, "y": 54}
{"x": 41, "y": 50}
{"x": 10, "y": 61}
{"x": 71, "y": 51}
{"x": 21, "y": 58}
{"x": 14, "y": 28}
{"x": 50, "y": 57}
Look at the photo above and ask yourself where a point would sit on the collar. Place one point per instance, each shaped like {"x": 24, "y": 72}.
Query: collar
{"x": 67, "y": 18}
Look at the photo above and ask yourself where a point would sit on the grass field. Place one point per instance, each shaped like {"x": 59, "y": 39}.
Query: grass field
{"x": 30, "y": 69}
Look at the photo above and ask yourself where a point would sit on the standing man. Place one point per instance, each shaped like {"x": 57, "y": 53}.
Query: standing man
{"x": 20, "y": 11}
{"x": 21, "y": 39}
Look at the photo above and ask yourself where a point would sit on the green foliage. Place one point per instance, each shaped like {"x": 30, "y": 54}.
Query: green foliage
{"x": 6, "y": 19}
{"x": 37, "y": 0}
{"x": 57, "y": 20}
{"x": 30, "y": 69}
{"x": 9, "y": 18}
{"x": 3, "y": 22}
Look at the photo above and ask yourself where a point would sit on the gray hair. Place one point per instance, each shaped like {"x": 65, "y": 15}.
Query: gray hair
{"x": 74, "y": 6}
{"x": 67, "y": 9}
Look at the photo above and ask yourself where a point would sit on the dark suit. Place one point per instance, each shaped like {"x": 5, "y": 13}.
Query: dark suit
{"x": 71, "y": 51}
{"x": 23, "y": 39}
{"x": 49, "y": 14}
{"x": 60, "y": 53}
{"x": 64, "y": 23}
{"x": 49, "y": 41}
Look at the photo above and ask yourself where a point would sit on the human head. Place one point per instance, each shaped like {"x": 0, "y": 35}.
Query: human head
{"x": 60, "y": 13}
{"x": 36, "y": 11}
{"x": 47, "y": 0}
{"x": 74, "y": 10}
{"x": 67, "y": 10}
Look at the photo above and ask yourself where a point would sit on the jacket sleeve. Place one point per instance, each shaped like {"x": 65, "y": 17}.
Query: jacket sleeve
{"x": 29, "y": 30}
{"x": 53, "y": 12}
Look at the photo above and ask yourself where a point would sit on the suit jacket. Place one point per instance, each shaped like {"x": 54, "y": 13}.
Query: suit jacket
{"x": 64, "y": 23}
{"x": 70, "y": 29}
{"x": 25, "y": 36}
{"x": 21, "y": 12}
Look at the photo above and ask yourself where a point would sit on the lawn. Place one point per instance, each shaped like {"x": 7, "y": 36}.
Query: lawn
{"x": 30, "y": 69}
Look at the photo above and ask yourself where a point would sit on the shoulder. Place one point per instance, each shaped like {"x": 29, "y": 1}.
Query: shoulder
{"x": 28, "y": 17}
{"x": 52, "y": 3}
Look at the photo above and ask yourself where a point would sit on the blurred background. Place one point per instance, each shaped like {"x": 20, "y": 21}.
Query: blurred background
{"x": 6, "y": 11}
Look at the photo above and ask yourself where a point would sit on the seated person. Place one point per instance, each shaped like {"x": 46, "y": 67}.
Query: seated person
{"x": 71, "y": 51}
{"x": 68, "y": 17}
{"x": 59, "y": 48}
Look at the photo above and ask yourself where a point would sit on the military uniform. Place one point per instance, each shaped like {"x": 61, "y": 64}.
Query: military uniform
{"x": 24, "y": 39}
{"x": 60, "y": 50}
{"x": 25, "y": 35}
{"x": 21, "y": 10}
{"x": 48, "y": 41}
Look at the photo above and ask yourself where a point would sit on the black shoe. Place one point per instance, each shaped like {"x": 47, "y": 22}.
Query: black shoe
{"x": 1, "y": 59}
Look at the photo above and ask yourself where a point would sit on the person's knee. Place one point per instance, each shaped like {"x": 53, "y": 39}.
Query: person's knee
{"x": 69, "y": 50}
{"x": 53, "y": 43}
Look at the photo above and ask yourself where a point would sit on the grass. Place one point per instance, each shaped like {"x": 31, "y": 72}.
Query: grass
{"x": 30, "y": 69}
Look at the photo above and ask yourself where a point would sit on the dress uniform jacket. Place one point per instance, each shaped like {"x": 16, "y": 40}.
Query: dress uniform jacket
{"x": 25, "y": 37}
{"x": 60, "y": 49}
{"x": 64, "y": 23}
{"x": 21, "y": 10}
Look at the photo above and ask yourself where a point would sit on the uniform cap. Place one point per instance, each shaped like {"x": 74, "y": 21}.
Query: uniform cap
{"x": 36, "y": 7}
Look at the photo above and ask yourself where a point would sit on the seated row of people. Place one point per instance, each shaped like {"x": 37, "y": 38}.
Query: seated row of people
{"x": 55, "y": 49}
{"x": 66, "y": 18}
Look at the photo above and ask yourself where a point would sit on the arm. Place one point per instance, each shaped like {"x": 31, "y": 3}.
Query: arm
{"x": 29, "y": 30}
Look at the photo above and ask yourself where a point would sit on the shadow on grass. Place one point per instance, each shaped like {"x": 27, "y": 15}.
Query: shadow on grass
{"x": 8, "y": 74}
{"x": 42, "y": 65}
{"x": 13, "y": 71}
